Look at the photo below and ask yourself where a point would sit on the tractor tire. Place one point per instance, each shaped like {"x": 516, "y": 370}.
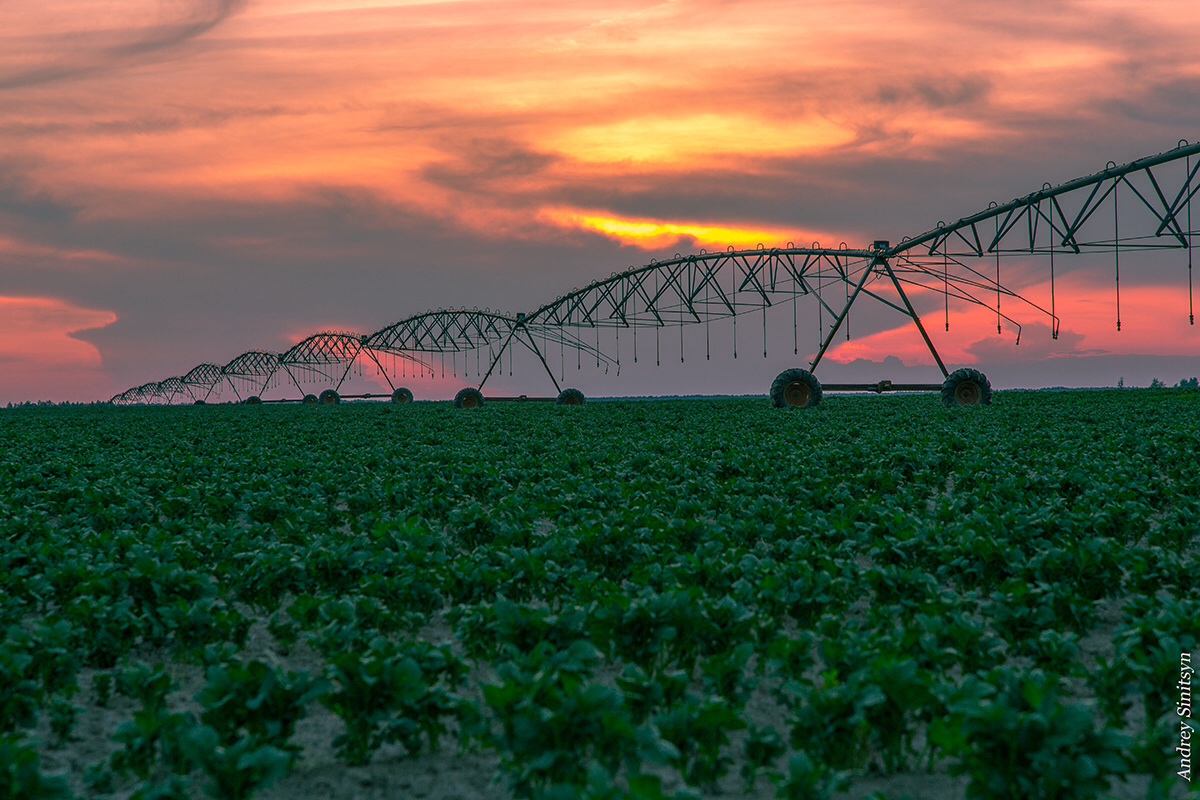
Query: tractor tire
{"x": 966, "y": 387}
{"x": 402, "y": 395}
{"x": 469, "y": 398}
{"x": 796, "y": 388}
{"x": 570, "y": 397}
{"x": 330, "y": 397}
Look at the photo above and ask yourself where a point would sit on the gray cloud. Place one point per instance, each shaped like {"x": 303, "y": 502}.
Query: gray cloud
{"x": 481, "y": 164}
{"x": 1168, "y": 101}
{"x": 158, "y": 121}
{"x": 84, "y": 56}
{"x": 201, "y": 17}
{"x": 937, "y": 92}
{"x": 1036, "y": 345}
{"x": 19, "y": 199}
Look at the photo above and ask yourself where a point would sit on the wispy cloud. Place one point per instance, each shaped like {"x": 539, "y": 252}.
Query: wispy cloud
{"x": 53, "y": 42}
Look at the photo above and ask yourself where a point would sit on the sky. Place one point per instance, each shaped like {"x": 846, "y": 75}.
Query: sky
{"x": 182, "y": 181}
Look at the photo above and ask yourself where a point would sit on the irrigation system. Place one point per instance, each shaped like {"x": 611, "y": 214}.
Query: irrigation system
{"x": 1145, "y": 204}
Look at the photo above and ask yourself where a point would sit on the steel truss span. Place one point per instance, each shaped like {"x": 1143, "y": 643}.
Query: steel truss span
{"x": 452, "y": 331}
{"x": 1145, "y": 204}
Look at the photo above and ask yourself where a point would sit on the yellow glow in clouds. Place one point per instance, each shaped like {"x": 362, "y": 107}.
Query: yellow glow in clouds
{"x": 655, "y": 235}
{"x": 685, "y": 139}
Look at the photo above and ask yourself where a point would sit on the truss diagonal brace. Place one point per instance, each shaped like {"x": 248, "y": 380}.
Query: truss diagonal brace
{"x": 912, "y": 312}
{"x": 837, "y": 323}
{"x": 500, "y": 353}
{"x": 530, "y": 344}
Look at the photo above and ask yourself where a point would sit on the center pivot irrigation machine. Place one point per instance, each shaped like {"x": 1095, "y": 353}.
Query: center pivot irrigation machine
{"x": 1143, "y": 205}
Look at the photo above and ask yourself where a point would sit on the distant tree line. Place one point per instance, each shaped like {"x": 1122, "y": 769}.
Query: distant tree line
{"x": 52, "y": 404}
{"x": 1186, "y": 383}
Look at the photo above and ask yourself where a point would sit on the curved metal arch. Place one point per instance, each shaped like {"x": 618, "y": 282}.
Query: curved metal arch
{"x": 255, "y": 367}
{"x": 125, "y": 398}
{"x": 1019, "y": 221}
{"x": 202, "y": 380}
{"x": 326, "y": 347}
{"x": 314, "y": 357}
{"x": 689, "y": 289}
{"x": 149, "y": 392}
{"x": 252, "y": 364}
{"x": 172, "y": 388}
{"x": 703, "y": 286}
{"x": 203, "y": 376}
{"x": 442, "y": 331}
{"x": 459, "y": 331}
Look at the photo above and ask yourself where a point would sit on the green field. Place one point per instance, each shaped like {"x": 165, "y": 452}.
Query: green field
{"x": 643, "y": 599}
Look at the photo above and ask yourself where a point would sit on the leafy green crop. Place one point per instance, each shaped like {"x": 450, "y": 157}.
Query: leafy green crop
{"x": 1015, "y": 737}
{"x": 618, "y": 603}
{"x": 256, "y": 701}
{"x": 392, "y": 693}
{"x": 20, "y": 773}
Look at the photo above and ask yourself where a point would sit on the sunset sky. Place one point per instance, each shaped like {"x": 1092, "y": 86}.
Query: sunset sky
{"x": 185, "y": 180}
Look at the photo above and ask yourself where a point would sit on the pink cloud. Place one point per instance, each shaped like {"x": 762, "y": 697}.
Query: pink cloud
{"x": 38, "y": 347}
{"x": 1154, "y": 322}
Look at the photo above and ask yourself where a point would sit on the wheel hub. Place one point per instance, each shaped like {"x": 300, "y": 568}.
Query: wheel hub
{"x": 470, "y": 401}
{"x": 798, "y": 394}
{"x": 968, "y": 393}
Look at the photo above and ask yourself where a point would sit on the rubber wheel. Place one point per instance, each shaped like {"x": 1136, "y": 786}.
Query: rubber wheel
{"x": 468, "y": 398}
{"x": 402, "y": 395}
{"x": 570, "y": 397}
{"x": 253, "y": 400}
{"x": 966, "y": 387}
{"x": 199, "y": 403}
{"x": 309, "y": 400}
{"x": 330, "y": 398}
{"x": 796, "y": 388}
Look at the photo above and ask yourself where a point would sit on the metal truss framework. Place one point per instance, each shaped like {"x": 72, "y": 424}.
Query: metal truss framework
{"x": 470, "y": 330}
{"x": 327, "y": 356}
{"x": 147, "y": 393}
{"x": 1142, "y": 205}
{"x": 1082, "y": 215}
{"x": 252, "y": 370}
{"x": 706, "y": 287}
{"x": 203, "y": 378}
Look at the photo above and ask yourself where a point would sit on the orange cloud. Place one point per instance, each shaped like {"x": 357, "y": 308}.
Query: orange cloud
{"x": 275, "y": 96}
{"x": 17, "y": 248}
